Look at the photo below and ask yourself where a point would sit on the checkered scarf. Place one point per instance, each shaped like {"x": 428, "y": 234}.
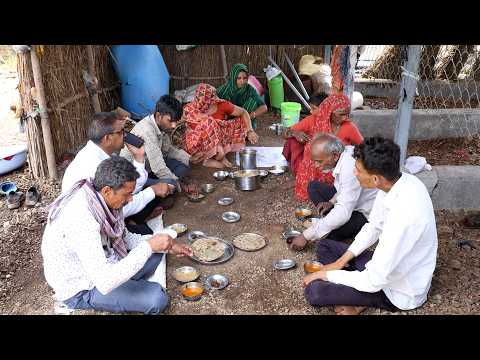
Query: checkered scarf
{"x": 111, "y": 222}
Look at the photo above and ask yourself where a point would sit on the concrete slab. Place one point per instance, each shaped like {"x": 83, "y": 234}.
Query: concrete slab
{"x": 426, "y": 124}
{"x": 457, "y": 187}
{"x": 429, "y": 178}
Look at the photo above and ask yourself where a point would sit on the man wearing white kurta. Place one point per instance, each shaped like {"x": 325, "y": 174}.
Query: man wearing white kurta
{"x": 398, "y": 274}
{"x": 90, "y": 260}
{"x": 349, "y": 207}
{"x": 106, "y": 135}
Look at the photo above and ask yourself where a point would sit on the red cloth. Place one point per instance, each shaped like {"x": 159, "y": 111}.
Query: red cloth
{"x": 206, "y": 133}
{"x": 337, "y": 77}
{"x": 293, "y": 152}
{"x": 313, "y": 124}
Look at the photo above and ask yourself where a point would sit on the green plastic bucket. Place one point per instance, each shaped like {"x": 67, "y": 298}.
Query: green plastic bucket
{"x": 275, "y": 87}
{"x": 290, "y": 113}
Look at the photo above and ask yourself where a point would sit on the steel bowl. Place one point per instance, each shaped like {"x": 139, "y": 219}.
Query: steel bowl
{"x": 247, "y": 180}
{"x": 230, "y": 216}
{"x": 221, "y": 175}
{"x": 310, "y": 222}
{"x": 194, "y": 235}
{"x": 302, "y": 213}
{"x": 180, "y": 229}
{"x": 263, "y": 173}
{"x": 278, "y": 170}
{"x": 290, "y": 234}
{"x": 217, "y": 282}
{"x": 312, "y": 266}
{"x": 225, "y": 201}
{"x": 208, "y": 188}
{"x": 195, "y": 198}
{"x": 284, "y": 264}
{"x": 192, "y": 291}
{"x": 186, "y": 274}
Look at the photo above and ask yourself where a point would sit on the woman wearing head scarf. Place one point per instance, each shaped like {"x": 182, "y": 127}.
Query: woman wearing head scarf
{"x": 330, "y": 117}
{"x": 211, "y": 131}
{"x": 239, "y": 92}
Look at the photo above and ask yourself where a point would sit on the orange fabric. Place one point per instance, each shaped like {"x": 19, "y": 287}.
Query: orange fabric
{"x": 320, "y": 122}
{"x": 207, "y": 133}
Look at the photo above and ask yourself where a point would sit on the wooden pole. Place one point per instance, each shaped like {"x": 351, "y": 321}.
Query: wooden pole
{"x": 224, "y": 61}
{"x": 91, "y": 69}
{"x": 42, "y": 102}
{"x": 407, "y": 93}
{"x": 350, "y": 79}
{"x": 328, "y": 54}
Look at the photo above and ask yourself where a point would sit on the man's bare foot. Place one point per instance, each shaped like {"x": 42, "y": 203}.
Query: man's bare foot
{"x": 213, "y": 164}
{"x": 350, "y": 310}
{"x": 338, "y": 309}
{"x": 226, "y": 162}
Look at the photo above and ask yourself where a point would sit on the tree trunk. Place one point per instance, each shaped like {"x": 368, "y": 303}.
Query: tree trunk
{"x": 452, "y": 61}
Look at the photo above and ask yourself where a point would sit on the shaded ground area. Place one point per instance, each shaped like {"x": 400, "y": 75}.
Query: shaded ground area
{"x": 256, "y": 288}
{"x": 420, "y": 102}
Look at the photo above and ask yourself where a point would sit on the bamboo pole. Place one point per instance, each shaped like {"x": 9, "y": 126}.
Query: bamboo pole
{"x": 42, "y": 102}
{"x": 224, "y": 61}
{"x": 91, "y": 70}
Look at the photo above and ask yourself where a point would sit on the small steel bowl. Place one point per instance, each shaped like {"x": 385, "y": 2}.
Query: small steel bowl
{"x": 186, "y": 274}
{"x": 310, "y": 222}
{"x": 225, "y": 201}
{"x": 192, "y": 291}
{"x": 231, "y": 174}
{"x": 230, "y": 216}
{"x": 303, "y": 213}
{"x": 290, "y": 234}
{"x": 208, "y": 188}
{"x": 180, "y": 229}
{"x": 217, "y": 282}
{"x": 194, "y": 235}
{"x": 197, "y": 198}
{"x": 278, "y": 170}
{"x": 221, "y": 175}
{"x": 284, "y": 264}
{"x": 312, "y": 266}
{"x": 263, "y": 173}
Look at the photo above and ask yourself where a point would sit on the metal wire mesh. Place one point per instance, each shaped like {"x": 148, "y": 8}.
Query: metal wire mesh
{"x": 448, "y": 84}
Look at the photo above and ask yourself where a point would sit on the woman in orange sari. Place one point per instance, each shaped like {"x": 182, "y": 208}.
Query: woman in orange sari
{"x": 330, "y": 117}
{"x": 211, "y": 130}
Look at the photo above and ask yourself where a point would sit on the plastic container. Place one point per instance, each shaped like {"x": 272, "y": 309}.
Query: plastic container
{"x": 12, "y": 157}
{"x": 290, "y": 113}
{"x": 144, "y": 77}
{"x": 357, "y": 100}
{"x": 252, "y": 80}
{"x": 275, "y": 87}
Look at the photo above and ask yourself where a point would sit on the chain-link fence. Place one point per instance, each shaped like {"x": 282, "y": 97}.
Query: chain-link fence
{"x": 448, "y": 81}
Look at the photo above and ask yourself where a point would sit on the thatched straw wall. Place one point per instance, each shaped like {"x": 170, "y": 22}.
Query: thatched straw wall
{"x": 69, "y": 106}
{"x": 205, "y": 61}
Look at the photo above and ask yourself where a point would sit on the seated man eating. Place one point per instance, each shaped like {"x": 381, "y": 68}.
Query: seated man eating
{"x": 165, "y": 161}
{"x": 398, "y": 274}
{"x": 347, "y": 206}
{"x": 106, "y": 137}
{"x": 90, "y": 260}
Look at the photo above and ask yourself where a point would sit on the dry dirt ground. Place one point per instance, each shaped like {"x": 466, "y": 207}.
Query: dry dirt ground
{"x": 256, "y": 288}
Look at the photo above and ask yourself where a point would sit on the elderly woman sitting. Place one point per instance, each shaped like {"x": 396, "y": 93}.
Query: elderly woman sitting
{"x": 210, "y": 130}
{"x": 330, "y": 117}
{"x": 238, "y": 91}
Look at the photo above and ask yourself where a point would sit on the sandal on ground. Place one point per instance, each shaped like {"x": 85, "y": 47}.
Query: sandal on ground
{"x": 32, "y": 196}
{"x": 14, "y": 199}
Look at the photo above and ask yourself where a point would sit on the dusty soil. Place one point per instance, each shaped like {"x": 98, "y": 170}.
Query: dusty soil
{"x": 256, "y": 288}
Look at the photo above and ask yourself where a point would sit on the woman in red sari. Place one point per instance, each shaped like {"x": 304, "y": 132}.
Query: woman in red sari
{"x": 330, "y": 117}
{"x": 209, "y": 129}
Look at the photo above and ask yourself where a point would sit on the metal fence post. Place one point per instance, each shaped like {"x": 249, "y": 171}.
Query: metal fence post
{"x": 407, "y": 92}
{"x": 350, "y": 79}
{"x": 328, "y": 54}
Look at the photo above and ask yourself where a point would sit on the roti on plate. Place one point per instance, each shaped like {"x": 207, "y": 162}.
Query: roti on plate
{"x": 208, "y": 249}
{"x": 249, "y": 241}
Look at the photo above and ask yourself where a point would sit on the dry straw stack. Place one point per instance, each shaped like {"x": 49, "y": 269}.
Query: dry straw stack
{"x": 68, "y": 102}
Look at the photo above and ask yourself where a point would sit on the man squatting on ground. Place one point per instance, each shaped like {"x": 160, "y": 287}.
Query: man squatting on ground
{"x": 398, "y": 274}
{"x": 346, "y": 205}
{"x": 90, "y": 260}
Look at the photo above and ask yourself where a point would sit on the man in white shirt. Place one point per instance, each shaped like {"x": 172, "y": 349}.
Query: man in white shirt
{"x": 398, "y": 274}
{"x": 348, "y": 206}
{"x": 106, "y": 134}
{"x": 90, "y": 260}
